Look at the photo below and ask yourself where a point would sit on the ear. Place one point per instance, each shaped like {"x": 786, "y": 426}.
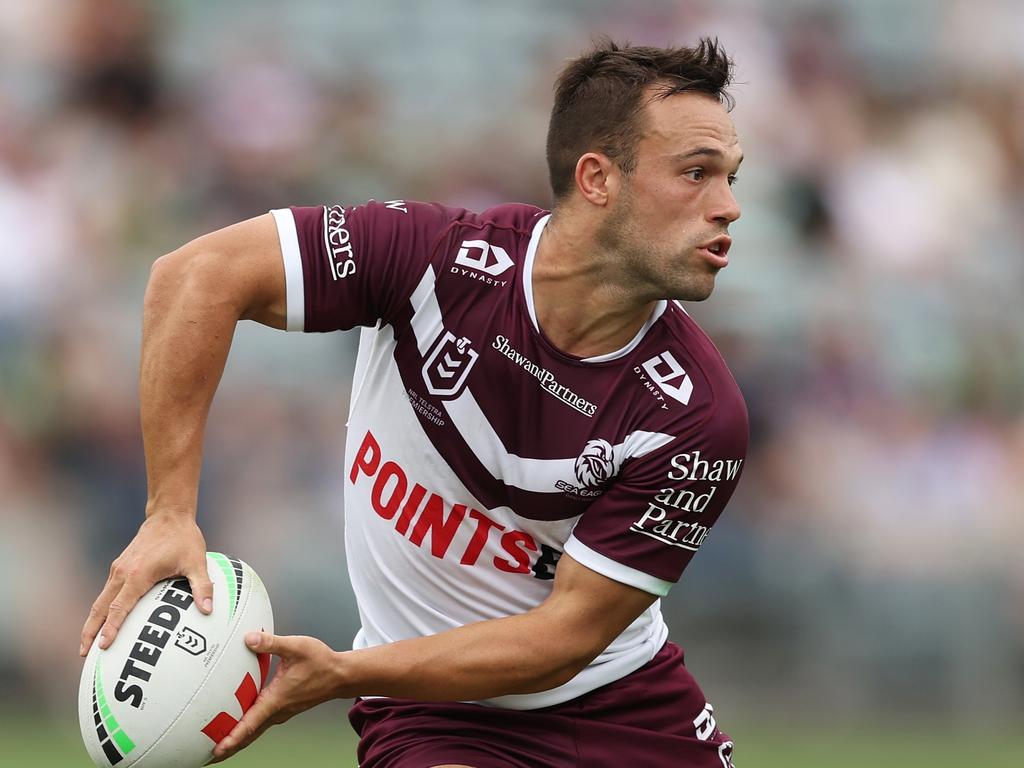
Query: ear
{"x": 597, "y": 178}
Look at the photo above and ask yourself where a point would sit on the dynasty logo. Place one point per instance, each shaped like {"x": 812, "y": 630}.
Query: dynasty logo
{"x": 663, "y": 376}
{"x": 483, "y": 261}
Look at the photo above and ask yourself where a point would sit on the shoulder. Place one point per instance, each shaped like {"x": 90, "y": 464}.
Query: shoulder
{"x": 690, "y": 387}
{"x": 491, "y": 246}
{"x": 509, "y": 223}
{"x": 511, "y": 216}
{"x": 511, "y": 219}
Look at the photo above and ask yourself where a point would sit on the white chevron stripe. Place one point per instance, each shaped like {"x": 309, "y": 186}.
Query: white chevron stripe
{"x": 539, "y": 475}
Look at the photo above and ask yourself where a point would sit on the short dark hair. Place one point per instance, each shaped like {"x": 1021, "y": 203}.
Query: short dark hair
{"x": 598, "y": 99}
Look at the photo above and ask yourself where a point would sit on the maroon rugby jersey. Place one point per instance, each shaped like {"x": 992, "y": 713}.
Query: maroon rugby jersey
{"x": 478, "y": 452}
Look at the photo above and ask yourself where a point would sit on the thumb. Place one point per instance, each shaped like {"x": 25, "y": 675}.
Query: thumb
{"x": 202, "y": 587}
{"x": 264, "y": 642}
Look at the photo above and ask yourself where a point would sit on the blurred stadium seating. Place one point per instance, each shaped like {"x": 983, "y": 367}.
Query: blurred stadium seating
{"x": 869, "y": 566}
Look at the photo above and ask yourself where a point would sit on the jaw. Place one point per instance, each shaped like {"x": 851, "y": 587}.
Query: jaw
{"x": 695, "y": 290}
{"x": 685, "y": 276}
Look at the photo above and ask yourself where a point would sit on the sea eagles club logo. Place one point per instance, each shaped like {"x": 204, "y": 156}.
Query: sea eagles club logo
{"x": 594, "y": 467}
{"x": 596, "y": 464}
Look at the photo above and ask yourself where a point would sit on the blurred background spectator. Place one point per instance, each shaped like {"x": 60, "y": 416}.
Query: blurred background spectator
{"x": 870, "y": 562}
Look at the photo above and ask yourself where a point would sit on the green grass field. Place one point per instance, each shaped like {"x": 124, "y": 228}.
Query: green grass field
{"x": 314, "y": 740}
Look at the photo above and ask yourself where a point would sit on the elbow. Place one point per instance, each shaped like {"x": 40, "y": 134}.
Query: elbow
{"x": 187, "y": 277}
{"x": 558, "y": 668}
{"x": 572, "y": 662}
{"x": 555, "y": 674}
{"x": 190, "y": 264}
{"x": 171, "y": 271}
{"x": 559, "y": 677}
{"x": 582, "y": 640}
{"x": 165, "y": 283}
{"x": 169, "y": 262}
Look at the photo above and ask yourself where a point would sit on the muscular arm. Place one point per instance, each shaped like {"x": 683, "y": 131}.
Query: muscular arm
{"x": 534, "y": 651}
{"x": 194, "y": 299}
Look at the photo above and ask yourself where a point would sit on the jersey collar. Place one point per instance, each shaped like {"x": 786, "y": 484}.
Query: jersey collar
{"x": 531, "y": 254}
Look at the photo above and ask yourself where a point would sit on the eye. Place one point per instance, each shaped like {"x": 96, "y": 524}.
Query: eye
{"x": 732, "y": 179}
{"x": 695, "y": 174}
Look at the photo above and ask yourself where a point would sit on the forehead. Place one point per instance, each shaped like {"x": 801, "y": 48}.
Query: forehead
{"x": 684, "y": 121}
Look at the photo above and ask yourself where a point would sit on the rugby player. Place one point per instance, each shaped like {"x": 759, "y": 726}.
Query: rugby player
{"x": 540, "y": 436}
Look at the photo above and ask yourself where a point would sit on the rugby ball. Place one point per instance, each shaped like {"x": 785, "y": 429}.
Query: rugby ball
{"x": 175, "y": 681}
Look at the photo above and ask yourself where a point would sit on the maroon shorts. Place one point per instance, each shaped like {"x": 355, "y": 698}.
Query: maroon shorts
{"x": 655, "y": 717}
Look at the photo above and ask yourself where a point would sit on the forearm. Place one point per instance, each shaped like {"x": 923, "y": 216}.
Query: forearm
{"x": 518, "y": 654}
{"x": 534, "y": 651}
{"x": 186, "y": 334}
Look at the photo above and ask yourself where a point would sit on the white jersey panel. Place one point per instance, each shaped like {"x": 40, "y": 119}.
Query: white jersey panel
{"x": 410, "y": 585}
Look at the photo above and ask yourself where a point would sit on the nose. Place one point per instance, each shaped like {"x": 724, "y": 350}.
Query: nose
{"x": 724, "y": 208}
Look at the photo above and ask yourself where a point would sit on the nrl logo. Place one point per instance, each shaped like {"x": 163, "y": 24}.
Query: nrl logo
{"x": 190, "y": 640}
{"x": 448, "y": 365}
{"x": 596, "y": 464}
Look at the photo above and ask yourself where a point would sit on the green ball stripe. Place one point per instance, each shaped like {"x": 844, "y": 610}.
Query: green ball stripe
{"x": 230, "y": 577}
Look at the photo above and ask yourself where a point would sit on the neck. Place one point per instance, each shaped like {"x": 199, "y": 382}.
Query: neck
{"x": 582, "y": 298}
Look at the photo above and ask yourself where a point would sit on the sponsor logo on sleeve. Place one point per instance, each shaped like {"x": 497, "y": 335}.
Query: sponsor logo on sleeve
{"x": 480, "y": 260}
{"x": 659, "y": 518}
{"x": 656, "y": 523}
{"x": 690, "y": 466}
{"x": 663, "y": 376}
{"x": 448, "y": 364}
{"x": 338, "y": 241}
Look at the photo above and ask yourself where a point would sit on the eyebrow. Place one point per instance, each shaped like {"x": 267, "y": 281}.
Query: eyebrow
{"x": 704, "y": 152}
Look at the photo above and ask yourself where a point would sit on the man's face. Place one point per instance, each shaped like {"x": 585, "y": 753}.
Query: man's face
{"x": 672, "y": 212}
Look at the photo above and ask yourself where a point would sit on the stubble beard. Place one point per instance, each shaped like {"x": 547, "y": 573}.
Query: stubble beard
{"x": 647, "y": 272}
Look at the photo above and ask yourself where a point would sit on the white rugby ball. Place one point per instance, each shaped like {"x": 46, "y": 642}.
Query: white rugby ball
{"x": 175, "y": 681}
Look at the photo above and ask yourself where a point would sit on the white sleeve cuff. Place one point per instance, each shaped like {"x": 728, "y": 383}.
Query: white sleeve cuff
{"x": 294, "y": 290}
{"x": 595, "y": 561}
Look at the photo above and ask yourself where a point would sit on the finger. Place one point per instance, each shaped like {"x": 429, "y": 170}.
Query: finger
{"x": 248, "y": 729}
{"x": 119, "y": 608}
{"x": 97, "y": 615}
{"x": 264, "y": 642}
{"x": 202, "y": 588}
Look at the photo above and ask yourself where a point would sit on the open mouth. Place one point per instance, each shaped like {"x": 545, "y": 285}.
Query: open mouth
{"x": 717, "y": 250}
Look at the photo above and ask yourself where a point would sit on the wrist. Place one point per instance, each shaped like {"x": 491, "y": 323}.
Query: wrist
{"x": 344, "y": 682}
{"x": 157, "y": 506}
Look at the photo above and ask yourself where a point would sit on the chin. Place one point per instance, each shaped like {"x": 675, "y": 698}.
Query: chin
{"x": 694, "y": 291}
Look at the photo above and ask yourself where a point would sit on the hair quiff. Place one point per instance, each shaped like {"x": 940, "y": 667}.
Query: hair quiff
{"x": 599, "y": 100}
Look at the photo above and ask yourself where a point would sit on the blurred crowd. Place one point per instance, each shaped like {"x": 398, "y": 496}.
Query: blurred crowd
{"x": 871, "y": 313}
